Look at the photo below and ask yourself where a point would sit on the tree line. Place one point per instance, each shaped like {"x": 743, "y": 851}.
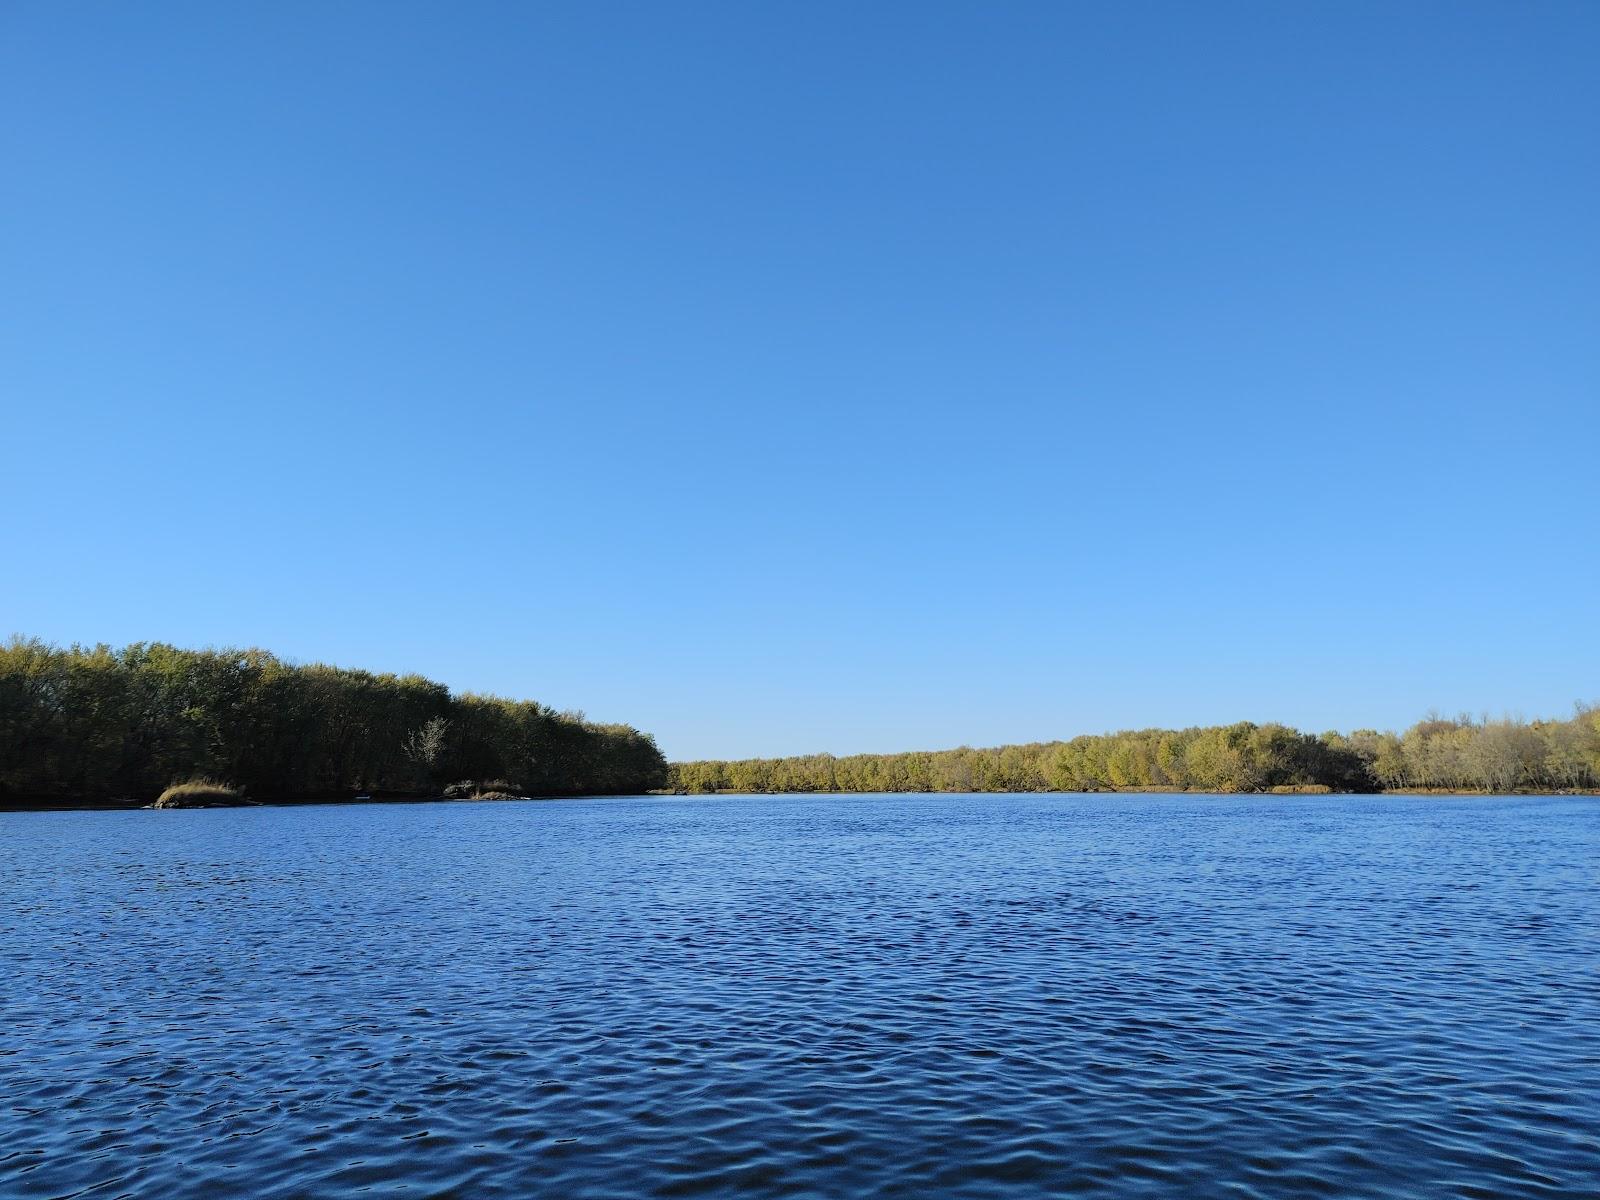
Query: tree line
{"x": 104, "y": 724}
{"x": 1455, "y": 755}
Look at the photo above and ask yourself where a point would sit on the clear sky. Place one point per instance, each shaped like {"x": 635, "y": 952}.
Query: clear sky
{"x": 787, "y": 377}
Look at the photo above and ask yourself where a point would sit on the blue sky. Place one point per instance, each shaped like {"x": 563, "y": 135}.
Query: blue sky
{"x": 794, "y": 377}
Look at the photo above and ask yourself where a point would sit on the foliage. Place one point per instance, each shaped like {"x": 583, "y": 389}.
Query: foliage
{"x": 1460, "y": 755}
{"x": 425, "y": 746}
{"x": 99, "y": 723}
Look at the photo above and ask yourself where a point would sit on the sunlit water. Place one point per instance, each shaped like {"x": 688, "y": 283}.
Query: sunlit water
{"x": 805, "y": 996}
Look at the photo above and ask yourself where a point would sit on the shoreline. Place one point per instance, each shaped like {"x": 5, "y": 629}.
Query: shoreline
{"x": 1281, "y": 790}
{"x": 86, "y": 805}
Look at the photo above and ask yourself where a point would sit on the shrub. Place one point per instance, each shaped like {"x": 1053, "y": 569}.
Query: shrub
{"x": 489, "y": 789}
{"x": 198, "y": 793}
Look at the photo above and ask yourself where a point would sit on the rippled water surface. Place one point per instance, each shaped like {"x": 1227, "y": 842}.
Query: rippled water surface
{"x": 805, "y": 996}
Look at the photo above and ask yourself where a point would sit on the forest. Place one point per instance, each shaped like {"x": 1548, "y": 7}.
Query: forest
{"x": 109, "y": 726}
{"x": 103, "y": 725}
{"x": 1462, "y": 754}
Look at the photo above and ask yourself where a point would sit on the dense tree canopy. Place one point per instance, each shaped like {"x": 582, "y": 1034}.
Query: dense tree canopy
{"x": 106, "y": 724}
{"x": 102, "y": 724}
{"x": 1459, "y": 755}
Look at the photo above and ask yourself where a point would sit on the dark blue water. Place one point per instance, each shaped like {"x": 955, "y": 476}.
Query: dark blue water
{"x": 805, "y": 996}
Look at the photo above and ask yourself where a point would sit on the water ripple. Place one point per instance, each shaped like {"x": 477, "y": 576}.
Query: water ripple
{"x": 807, "y": 996}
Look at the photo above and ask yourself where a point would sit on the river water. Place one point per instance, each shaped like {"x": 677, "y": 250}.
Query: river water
{"x": 805, "y": 996}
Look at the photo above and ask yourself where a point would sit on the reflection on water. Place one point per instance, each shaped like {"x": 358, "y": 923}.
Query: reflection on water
{"x": 805, "y": 996}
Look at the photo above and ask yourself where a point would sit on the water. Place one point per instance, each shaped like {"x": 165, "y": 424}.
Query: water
{"x": 805, "y": 996}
